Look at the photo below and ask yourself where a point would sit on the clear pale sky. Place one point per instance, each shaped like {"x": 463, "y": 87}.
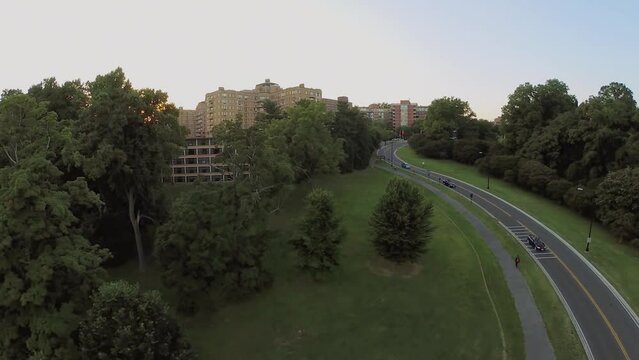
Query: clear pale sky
{"x": 371, "y": 51}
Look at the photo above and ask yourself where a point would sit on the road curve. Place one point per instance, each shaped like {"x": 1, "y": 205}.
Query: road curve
{"x": 607, "y": 326}
{"x": 536, "y": 342}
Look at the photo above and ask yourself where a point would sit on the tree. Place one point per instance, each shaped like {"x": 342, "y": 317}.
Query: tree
{"x": 47, "y": 268}
{"x": 305, "y": 136}
{"x": 535, "y": 175}
{"x": 215, "y": 237}
{"x": 130, "y": 137}
{"x": 401, "y": 222}
{"x": 319, "y": 234}
{"x": 617, "y": 200}
{"x": 448, "y": 117}
{"x": 530, "y": 108}
{"x": 66, "y": 100}
{"x": 353, "y": 127}
{"x": 251, "y": 159}
{"x": 124, "y": 323}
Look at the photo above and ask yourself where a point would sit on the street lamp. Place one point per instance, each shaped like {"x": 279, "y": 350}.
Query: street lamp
{"x": 487, "y": 173}
{"x": 589, "y": 239}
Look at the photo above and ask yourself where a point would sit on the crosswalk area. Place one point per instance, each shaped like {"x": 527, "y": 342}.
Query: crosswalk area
{"x": 521, "y": 233}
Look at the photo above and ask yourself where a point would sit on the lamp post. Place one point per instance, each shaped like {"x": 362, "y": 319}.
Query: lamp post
{"x": 589, "y": 239}
{"x": 487, "y": 174}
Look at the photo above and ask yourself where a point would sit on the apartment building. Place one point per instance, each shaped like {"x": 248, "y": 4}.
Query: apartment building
{"x": 380, "y": 113}
{"x": 199, "y": 160}
{"x": 406, "y": 113}
{"x": 331, "y": 104}
{"x": 224, "y": 104}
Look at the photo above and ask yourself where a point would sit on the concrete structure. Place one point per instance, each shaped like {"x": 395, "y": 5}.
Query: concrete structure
{"x": 380, "y": 113}
{"x": 198, "y": 160}
{"x": 331, "y": 104}
{"x": 406, "y": 113}
{"x": 224, "y": 104}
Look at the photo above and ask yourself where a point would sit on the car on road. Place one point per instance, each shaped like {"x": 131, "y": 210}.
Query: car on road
{"x": 405, "y": 165}
{"x": 536, "y": 243}
{"x": 449, "y": 183}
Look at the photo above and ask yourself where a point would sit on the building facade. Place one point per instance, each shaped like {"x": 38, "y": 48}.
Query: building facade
{"x": 224, "y": 104}
{"x": 379, "y": 113}
{"x": 331, "y": 104}
{"x": 406, "y": 113}
{"x": 199, "y": 160}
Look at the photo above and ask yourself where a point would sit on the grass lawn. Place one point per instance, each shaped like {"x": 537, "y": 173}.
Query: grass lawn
{"x": 561, "y": 332}
{"x": 618, "y": 262}
{"x": 443, "y": 311}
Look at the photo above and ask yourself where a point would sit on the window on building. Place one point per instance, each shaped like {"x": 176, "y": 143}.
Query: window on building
{"x": 203, "y": 161}
{"x": 190, "y": 161}
{"x": 204, "y": 169}
{"x": 190, "y": 142}
{"x": 178, "y": 170}
{"x": 191, "y": 170}
{"x": 191, "y": 151}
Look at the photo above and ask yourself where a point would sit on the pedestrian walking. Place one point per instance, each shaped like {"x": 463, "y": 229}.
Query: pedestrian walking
{"x": 517, "y": 261}
{"x": 471, "y": 197}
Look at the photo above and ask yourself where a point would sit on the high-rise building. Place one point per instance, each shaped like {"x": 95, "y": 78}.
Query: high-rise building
{"x": 406, "y": 113}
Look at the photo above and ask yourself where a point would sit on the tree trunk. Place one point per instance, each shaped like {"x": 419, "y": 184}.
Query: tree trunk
{"x": 135, "y": 222}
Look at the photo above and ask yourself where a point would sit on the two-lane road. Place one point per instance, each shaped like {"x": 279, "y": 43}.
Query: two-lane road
{"x": 608, "y": 328}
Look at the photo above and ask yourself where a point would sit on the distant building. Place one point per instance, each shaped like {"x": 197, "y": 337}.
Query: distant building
{"x": 497, "y": 120}
{"x": 199, "y": 160}
{"x": 331, "y": 104}
{"x": 224, "y": 104}
{"x": 403, "y": 113}
{"x": 380, "y": 113}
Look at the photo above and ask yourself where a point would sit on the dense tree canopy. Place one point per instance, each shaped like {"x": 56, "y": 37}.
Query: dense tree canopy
{"x": 354, "y": 128}
{"x": 129, "y": 138}
{"x": 124, "y": 323}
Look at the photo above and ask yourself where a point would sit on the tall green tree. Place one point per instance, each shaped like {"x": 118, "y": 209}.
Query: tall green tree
{"x": 448, "y": 117}
{"x": 67, "y": 100}
{"x": 319, "y": 234}
{"x": 354, "y": 128}
{"x": 215, "y": 238}
{"x": 252, "y": 160}
{"x": 401, "y": 222}
{"x": 47, "y": 268}
{"x": 305, "y": 137}
{"x": 124, "y": 323}
{"x": 130, "y": 137}
{"x": 530, "y": 108}
{"x": 618, "y": 204}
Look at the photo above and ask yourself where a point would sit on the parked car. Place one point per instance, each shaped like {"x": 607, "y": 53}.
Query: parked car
{"x": 405, "y": 165}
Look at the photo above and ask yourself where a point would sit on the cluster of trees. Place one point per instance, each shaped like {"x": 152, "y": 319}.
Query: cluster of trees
{"x": 75, "y": 160}
{"x": 216, "y": 235}
{"x": 583, "y": 155}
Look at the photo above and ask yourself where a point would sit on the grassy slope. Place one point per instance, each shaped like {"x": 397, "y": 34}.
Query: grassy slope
{"x": 561, "y": 332}
{"x": 618, "y": 262}
{"x": 443, "y": 312}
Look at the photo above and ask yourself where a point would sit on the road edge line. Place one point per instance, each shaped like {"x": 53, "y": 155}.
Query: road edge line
{"x": 592, "y": 268}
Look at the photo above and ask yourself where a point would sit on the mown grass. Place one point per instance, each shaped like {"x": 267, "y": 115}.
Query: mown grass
{"x": 443, "y": 311}
{"x": 561, "y": 331}
{"x": 618, "y": 262}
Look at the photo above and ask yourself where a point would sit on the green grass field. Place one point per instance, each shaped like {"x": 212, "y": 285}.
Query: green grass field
{"x": 618, "y": 262}
{"x": 443, "y": 311}
{"x": 560, "y": 330}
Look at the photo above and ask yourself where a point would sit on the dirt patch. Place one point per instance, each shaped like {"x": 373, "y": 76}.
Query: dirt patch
{"x": 382, "y": 267}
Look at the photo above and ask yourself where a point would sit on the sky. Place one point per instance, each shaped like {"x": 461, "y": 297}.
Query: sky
{"x": 370, "y": 51}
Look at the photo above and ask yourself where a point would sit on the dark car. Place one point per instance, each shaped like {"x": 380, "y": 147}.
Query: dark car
{"x": 446, "y": 182}
{"x": 540, "y": 245}
{"x": 452, "y": 185}
{"x": 531, "y": 240}
{"x": 405, "y": 166}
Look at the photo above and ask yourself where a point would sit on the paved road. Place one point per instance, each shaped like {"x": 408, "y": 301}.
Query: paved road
{"x": 537, "y": 344}
{"x": 608, "y": 328}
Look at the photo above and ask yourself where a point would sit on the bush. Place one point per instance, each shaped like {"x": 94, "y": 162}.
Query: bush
{"x": 401, "y": 222}
{"x": 123, "y": 323}
{"x": 497, "y": 165}
{"x": 556, "y": 189}
{"x": 534, "y": 175}
{"x": 467, "y": 151}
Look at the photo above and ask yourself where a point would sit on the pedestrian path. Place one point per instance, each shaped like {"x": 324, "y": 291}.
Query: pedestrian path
{"x": 536, "y": 342}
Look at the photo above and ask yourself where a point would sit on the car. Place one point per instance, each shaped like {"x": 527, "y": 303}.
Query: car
{"x": 405, "y": 166}
{"x": 540, "y": 245}
{"x": 531, "y": 240}
{"x": 451, "y": 185}
{"x": 446, "y": 182}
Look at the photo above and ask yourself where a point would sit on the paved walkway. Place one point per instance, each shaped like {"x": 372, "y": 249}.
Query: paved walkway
{"x": 536, "y": 342}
